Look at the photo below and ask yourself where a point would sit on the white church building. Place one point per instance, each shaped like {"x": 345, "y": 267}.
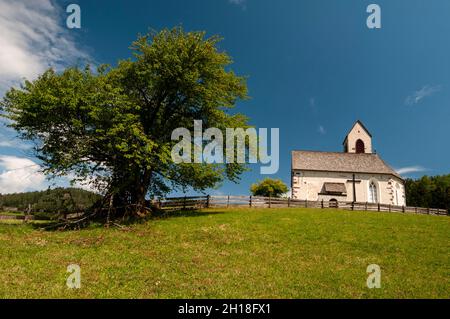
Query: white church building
{"x": 356, "y": 174}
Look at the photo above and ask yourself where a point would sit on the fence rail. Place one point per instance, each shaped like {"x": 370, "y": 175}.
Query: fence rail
{"x": 195, "y": 202}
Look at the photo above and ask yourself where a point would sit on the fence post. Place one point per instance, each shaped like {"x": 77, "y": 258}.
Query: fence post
{"x": 365, "y": 207}
{"x": 415, "y": 210}
{"x": 207, "y": 201}
{"x": 322, "y": 203}
{"x": 389, "y": 208}
{"x": 27, "y": 214}
{"x": 228, "y": 201}
{"x": 270, "y": 201}
{"x": 250, "y": 201}
{"x": 289, "y": 202}
{"x": 428, "y": 210}
{"x": 306, "y": 203}
{"x": 403, "y": 208}
{"x": 184, "y": 203}
{"x": 378, "y": 206}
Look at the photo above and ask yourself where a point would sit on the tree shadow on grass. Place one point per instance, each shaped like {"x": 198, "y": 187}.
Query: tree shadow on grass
{"x": 58, "y": 225}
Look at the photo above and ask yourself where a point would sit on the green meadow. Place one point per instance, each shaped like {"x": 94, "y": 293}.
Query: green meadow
{"x": 233, "y": 253}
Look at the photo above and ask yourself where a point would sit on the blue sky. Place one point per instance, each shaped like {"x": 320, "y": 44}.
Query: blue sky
{"x": 313, "y": 69}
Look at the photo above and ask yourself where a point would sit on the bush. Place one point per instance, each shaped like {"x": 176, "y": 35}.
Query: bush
{"x": 269, "y": 187}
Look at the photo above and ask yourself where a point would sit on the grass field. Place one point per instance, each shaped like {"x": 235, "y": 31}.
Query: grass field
{"x": 238, "y": 253}
{"x": 11, "y": 213}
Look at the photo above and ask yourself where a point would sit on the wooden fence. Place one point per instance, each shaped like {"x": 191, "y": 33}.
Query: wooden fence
{"x": 195, "y": 202}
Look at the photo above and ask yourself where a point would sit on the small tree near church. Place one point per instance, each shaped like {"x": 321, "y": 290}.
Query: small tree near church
{"x": 269, "y": 187}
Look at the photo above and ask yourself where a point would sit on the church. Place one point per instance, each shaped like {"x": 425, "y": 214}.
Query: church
{"x": 355, "y": 175}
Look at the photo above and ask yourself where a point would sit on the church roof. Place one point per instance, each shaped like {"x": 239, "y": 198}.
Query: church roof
{"x": 334, "y": 188}
{"x": 340, "y": 162}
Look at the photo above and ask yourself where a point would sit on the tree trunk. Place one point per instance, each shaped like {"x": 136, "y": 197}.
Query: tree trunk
{"x": 129, "y": 199}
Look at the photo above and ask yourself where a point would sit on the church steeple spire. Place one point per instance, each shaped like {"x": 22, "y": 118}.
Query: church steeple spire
{"x": 358, "y": 139}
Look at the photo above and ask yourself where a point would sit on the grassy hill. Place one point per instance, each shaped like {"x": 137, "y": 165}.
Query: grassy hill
{"x": 239, "y": 253}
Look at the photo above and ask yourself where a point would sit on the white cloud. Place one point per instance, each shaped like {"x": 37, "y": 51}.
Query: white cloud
{"x": 312, "y": 105}
{"x": 32, "y": 40}
{"x": 425, "y": 91}
{"x": 410, "y": 169}
{"x": 19, "y": 174}
{"x": 88, "y": 184}
{"x": 321, "y": 130}
{"x": 240, "y": 3}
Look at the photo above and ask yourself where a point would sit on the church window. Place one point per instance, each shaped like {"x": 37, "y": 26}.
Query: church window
{"x": 373, "y": 198}
{"x": 397, "y": 194}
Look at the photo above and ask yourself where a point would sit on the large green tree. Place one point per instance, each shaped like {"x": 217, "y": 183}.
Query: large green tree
{"x": 114, "y": 126}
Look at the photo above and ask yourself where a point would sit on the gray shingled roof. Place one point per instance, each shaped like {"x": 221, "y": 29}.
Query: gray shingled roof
{"x": 340, "y": 162}
{"x": 334, "y": 188}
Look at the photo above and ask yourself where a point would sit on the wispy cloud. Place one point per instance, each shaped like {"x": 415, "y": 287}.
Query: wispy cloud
{"x": 14, "y": 144}
{"x": 241, "y": 3}
{"x": 419, "y": 95}
{"x": 312, "y": 106}
{"x": 410, "y": 169}
{"x": 32, "y": 40}
{"x": 321, "y": 130}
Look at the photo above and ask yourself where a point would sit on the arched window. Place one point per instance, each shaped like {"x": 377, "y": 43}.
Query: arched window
{"x": 373, "y": 197}
{"x": 360, "y": 146}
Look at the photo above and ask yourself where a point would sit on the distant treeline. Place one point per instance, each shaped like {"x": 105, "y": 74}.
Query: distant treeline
{"x": 67, "y": 200}
{"x": 429, "y": 191}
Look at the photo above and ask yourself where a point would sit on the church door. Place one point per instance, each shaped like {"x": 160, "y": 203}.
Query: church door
{"x": 333, "y": 203}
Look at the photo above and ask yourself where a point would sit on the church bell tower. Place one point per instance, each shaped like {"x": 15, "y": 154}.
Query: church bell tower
{"x": 358, "y": 140}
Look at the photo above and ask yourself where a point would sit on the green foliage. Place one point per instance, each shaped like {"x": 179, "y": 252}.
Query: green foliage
{"x": 269, "y": 187}
{"x": 433, "y": 192}
{"x": 115, "y": 125}
{"x": 47, "y": 204}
